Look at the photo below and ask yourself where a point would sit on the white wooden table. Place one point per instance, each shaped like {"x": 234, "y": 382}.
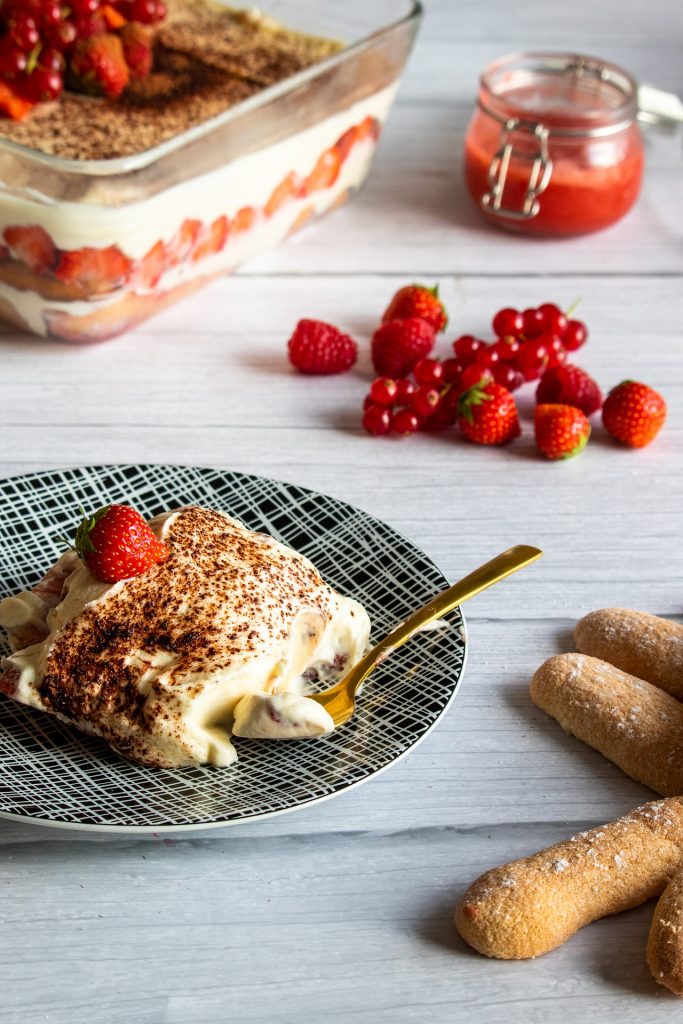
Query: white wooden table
{"x": 342, "y": 913}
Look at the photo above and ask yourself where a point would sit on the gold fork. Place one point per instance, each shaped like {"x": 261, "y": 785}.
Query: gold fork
{"x": 340, "y": 700}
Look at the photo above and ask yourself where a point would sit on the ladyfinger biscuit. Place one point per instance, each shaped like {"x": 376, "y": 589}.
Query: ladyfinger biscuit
{"x": 532, "y": 905}
{"x": 665, "y": 944}
{"x": 643, "y": 645}
{"x": 633, "y": 723}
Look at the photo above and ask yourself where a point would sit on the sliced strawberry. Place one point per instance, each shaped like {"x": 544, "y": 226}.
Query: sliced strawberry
{"x": 99, "y": 270}
{"x": 153, "y": 265}
{"x": 213, "y": 240}
{"x": 33, "y": 247}
{"x": 243, "y": 220}
{"x": 369, "y": 128}
{"x": 346, "y": 142}
{"x": 290, "y": 188}
{"x": 181, "y": 246}
{"x": 325, "y": 172}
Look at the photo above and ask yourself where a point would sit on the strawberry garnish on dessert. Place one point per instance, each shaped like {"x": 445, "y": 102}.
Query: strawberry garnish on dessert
{"x": 136, "y": 40}
{"x": 420, "y": 301}
{"x": 318, "y": 348}
{"x": 634, "y": 413}
{"x": 98, "y": 66}
{"x": 488, "y": 414}
{"x": 117, "y": 544}
{"x": 88, "y": 46}
{"x": 561, "y": 430}
{"x": 569, "y": 385}
{"x": 397, "y": 346}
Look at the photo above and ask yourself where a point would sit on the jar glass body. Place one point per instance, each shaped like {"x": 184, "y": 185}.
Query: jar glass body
{"x": 553, "y": 147}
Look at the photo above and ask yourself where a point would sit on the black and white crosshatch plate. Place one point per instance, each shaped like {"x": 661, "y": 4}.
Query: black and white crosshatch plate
{"x": 51, "y": 774}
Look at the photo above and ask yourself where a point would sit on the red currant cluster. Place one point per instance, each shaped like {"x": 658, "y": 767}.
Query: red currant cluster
{"x": 527, "y": 344}
{"x": 428, "y": 403}
{"x": 37, "y": 38}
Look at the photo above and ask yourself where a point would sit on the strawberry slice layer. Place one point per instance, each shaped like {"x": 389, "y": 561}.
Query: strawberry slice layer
{"x": 100, "y": 270}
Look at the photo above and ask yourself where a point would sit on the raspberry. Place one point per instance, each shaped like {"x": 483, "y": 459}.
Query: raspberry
{"x": 320, "y": 348}
{"x": 569, "y": 385}
{"x": 398, "y": 345}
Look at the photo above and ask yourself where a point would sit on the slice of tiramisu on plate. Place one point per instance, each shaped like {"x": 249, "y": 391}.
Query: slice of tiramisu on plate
{"x": 222, "y": 633}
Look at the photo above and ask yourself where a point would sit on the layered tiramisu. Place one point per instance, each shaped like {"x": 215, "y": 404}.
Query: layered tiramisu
{"x": 228, "y": 135}
{"x": 218, "y": 638}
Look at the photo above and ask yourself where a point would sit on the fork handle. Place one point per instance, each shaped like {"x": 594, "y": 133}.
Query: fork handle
{"x": 485, "y": 576}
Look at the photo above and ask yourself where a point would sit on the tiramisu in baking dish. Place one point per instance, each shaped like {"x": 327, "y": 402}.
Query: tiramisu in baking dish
{"x": 220, "y": 632}
{"x": 144, "y": 158}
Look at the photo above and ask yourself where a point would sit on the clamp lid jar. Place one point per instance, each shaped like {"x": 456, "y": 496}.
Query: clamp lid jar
{"x": 553, "y": 147}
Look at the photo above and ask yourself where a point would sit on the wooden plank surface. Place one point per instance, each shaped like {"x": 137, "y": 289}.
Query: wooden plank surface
{"x": 342, "y": 912}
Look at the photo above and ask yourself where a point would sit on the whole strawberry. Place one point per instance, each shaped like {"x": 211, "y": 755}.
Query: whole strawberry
{"x": 397, "y": 346}
{"x": 320, "y": 348}
{"x": 98, "y": 66}
{"x": 569, "y": 385}
{"x": 116, "y": 544}
{"x": 487, "y": 414}
{"x": 634, "y": 413}
{"x": 561, "y": 430}
{"x": 416, "y": 300}
{"x": 136, "y": 40}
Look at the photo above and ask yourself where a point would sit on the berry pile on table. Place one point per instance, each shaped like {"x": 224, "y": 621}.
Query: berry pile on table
{"x": 471, "y": 390}
{"x": 87, "y": 46}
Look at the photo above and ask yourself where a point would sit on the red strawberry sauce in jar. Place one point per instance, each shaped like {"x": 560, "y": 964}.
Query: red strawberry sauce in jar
{"x": 553, "y": 147}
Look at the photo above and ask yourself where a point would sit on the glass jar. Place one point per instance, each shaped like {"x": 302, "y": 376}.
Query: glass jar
{"x": 553, "y": 147}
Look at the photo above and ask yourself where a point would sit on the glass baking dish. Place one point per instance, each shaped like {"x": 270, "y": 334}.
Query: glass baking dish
{"x": 92, "y": 248}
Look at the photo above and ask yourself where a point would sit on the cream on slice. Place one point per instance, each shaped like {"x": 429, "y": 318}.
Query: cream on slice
{"x": 280, "y": 716}
{"x": 159, "y": 665}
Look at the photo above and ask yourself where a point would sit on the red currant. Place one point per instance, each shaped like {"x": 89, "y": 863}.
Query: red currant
{"x": 508, "y": 376}
{"x": 554, "y": 320}
{"x": 575, "y": 335}
{"x": 377, "y": 420}
{"x": 507, "y": 349}
{"x": 452, "y": 369}
{"x": 508, "y": 321}
{"x": 23, "y": 31}
{"x": 146, "y": 11}
{"x": 43, "y": 85}
{"x": 405, "y": 388}
{"x": 62, "y": 37}
{"x": 489, "y": 356}
{"x": 90, "y": 25}
{"x": 428, "y": 371}
{"x": 532, "y": 359}
{"x": 534, "y": 322}
{"x": 51, "y": 13}
{"x": 557, "y": 353}
{"x": 51, "y": 60}
{"x": 12, "y": 62}
{"x": 444, "y": 418}
{"x": 383, "y": 391}
{"x": 473, "y": 374}
{"x": 405, "y": 422}
{"x": 425, "y": 400}
{"x": 84, "y": 8}
{"x": 467, "y": 347}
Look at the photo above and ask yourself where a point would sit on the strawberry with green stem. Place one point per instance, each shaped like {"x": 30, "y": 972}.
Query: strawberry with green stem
{"x": 116, "y": 543}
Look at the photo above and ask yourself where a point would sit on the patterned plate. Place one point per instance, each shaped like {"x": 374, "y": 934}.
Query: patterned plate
{"x": 51, "y": 774}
